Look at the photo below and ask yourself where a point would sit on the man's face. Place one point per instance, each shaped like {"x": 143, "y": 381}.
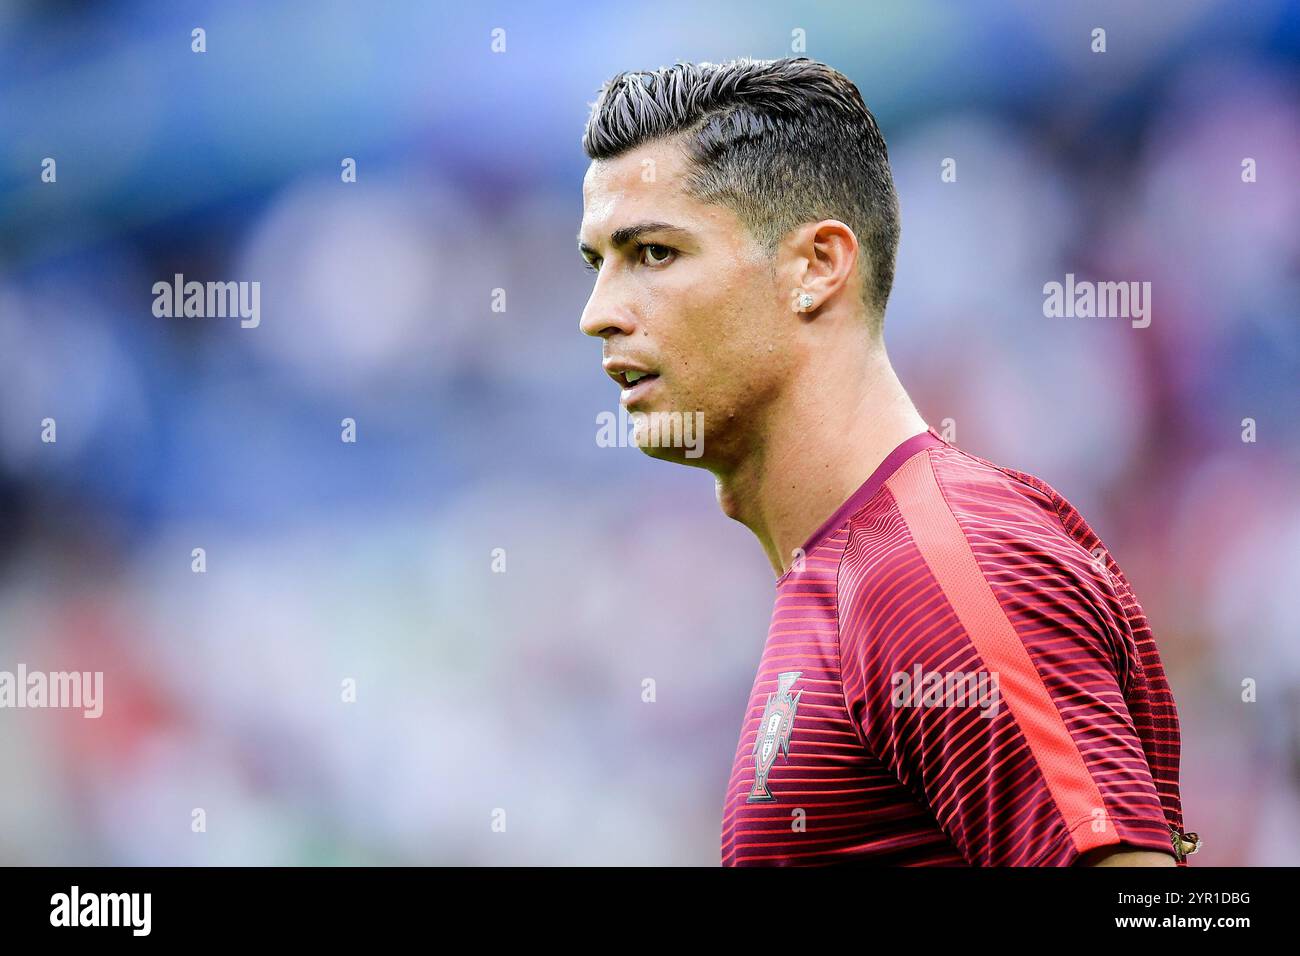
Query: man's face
{"x": 682, "y": 292}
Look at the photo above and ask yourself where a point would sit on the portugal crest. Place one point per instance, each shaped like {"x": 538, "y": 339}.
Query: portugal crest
{"x": 774, "y": 734}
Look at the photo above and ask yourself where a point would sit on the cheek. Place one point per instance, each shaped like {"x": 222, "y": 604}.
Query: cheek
{"x": 732, "y": 364}
{"x": 733, "y": 308}
{"x": 748, "y": 330}
{"x": 716, "y": 327}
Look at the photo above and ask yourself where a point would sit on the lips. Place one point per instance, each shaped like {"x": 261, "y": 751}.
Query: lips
{"x": 638, "y": 390}
{"x": 631, "y": 377}
{"x": 635, "y": 380}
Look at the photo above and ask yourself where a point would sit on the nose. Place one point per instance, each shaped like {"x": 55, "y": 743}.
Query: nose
{"x": 605, "y": 315}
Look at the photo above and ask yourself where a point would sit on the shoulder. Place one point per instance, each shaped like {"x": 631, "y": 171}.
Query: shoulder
{"x": 941, "y": 504}
{"x": 956, "y": 543}
{"x": 956, "y": 506}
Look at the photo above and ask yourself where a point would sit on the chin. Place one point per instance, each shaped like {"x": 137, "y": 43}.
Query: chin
{"x": 676, "y": 456}
{"x": 670, "y": 436}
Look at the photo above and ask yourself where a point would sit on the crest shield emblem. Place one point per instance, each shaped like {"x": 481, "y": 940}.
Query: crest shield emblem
{"x": 774, "y": 734}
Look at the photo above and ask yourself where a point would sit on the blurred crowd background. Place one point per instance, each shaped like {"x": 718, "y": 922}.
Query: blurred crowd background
{"x": 479, "y": 691}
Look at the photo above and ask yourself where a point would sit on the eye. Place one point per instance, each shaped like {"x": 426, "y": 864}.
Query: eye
{"x": 653, "y": 254}
{"x": 592, "y": 266}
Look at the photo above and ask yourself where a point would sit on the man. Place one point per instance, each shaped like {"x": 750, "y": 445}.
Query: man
{"x": 957, "y": 672}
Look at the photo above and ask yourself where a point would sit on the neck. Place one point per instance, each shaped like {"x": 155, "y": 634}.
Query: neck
{"x": 830, "y": 431}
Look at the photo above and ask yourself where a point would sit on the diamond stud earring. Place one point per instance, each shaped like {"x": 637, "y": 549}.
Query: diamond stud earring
{"x": 805, "y": 301}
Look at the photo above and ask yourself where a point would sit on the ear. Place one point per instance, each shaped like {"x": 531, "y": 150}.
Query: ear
{"x": 821, "y": 258}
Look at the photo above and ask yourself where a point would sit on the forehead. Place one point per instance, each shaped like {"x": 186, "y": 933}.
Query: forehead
{"x": 643, "y": 183}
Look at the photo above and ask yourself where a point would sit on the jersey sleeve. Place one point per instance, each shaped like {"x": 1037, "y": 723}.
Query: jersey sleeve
{"x": 984, "y": 663}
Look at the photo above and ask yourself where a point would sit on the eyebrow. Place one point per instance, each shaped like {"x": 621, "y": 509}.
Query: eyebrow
{"x": 628, "y": 234}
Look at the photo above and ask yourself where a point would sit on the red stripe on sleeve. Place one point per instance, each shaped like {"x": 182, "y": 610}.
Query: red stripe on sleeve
{"x": 952, "y": 562}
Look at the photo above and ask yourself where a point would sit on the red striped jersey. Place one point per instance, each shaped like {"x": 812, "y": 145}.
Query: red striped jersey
{"x": 956, "y": 673}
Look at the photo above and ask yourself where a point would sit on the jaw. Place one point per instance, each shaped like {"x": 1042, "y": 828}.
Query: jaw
{"x": 674, "y": 436}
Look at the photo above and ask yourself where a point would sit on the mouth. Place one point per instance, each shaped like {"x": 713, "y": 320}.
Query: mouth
{"x": 634, "y": 381}
{"x": 636, "y": 386}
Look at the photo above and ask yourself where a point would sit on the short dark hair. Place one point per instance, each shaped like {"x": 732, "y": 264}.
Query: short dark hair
{"x": 781, "y": 142}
